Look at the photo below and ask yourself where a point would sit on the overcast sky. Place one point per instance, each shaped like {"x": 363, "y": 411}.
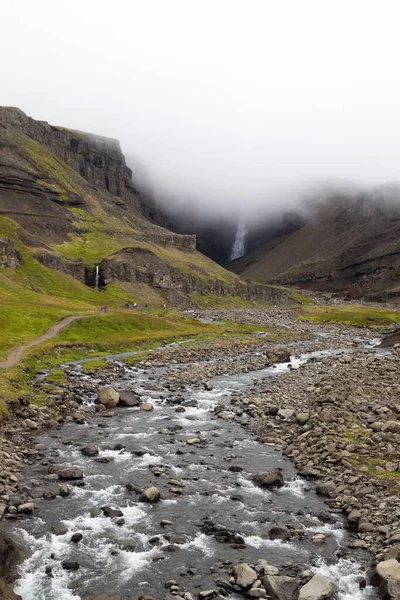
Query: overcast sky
{"x": 230, "y": 102}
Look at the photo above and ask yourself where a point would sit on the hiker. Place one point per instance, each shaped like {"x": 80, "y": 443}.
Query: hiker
{"x": 102, "y": 308}
{"x": 128, "y": 305}
{"x": 105, "y": 308}
{"x": 135, "y": 305}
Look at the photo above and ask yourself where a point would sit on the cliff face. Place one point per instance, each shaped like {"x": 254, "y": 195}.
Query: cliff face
{"x": 97, "y": 159}
{"x": 69, "y": 198}
{"x": 349, "y": 245}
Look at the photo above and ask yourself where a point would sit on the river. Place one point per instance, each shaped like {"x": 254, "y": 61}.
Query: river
{"x": 207, "y": 495}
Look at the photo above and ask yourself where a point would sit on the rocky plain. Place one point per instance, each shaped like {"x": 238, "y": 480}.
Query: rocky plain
{"x": 335, "y": 414}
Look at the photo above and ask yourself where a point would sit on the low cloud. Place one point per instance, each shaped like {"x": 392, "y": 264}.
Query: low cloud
{"x": 229, "y": 106}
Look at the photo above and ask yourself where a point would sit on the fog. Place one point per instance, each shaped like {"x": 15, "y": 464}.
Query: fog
{"x": 228, "y": 105}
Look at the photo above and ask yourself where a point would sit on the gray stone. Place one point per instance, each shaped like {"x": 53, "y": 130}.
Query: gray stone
{"x": 327, "y": 489}
{"x": 108, "y": 396}
{"x": 150, "y": 495}
{"x": 318, "y": 588}
{"x": 278, "y": 355}
{"x": 269, "y": 479}
{"x": 245, "y": 575}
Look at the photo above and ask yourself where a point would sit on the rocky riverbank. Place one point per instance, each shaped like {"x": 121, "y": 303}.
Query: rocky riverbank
{"x": 337, "y": 419}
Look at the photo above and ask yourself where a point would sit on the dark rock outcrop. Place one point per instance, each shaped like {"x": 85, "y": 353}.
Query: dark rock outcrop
{"x": 9, "y": 257}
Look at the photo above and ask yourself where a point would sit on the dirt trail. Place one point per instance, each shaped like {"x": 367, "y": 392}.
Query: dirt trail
{"x": 16, "y": 354}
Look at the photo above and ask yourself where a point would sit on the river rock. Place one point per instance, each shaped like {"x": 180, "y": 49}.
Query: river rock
{"x": 76, "y": 537}
{"x": 60, "y": 529}
{"x": 269, "y": 479}
{"x": 70, "y": 565}
{"x": 245, "y": 575}
{"x": 327, "y": 489}
{"x": 264, "y": 568}
{"x": 147, "y": 406}
{"x": 108, "y": 396}
{"x": 208, "y": 386}
{"x": 70, "y": 474}
{"x": 108, "y": 511}
{"x": 279, "y": 532}
{"x": 64, "y": 490}
{"x": 6, "y": 592}
{"x": 318, "y": 588}
{"x": 26, "y": 508}
{"x": 387, "y": 576}
{"x": 286, "y": 413}
{"x": 302, "y": 418}
{"x": 278, "y": 355}
{"x": 281, "y": 587}
{"x": 128, "y": 398}
{"x": 150, "y": 495}
{"x": 91, "y": 450}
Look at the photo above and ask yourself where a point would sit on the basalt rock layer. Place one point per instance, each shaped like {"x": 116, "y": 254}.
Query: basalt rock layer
{"x": 69, "y": 198}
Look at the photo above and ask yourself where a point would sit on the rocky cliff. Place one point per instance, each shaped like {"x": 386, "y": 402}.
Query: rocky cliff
{"x": 70, "y": 199}
{"x": 349, "y": 245}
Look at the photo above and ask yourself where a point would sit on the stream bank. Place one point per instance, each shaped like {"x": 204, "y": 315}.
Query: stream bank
{"x": 205, "y": 485}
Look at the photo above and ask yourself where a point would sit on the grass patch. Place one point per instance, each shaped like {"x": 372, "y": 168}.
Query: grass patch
{"x": 57, "y": 376}
{"x": 299, "y": 298}
{"x": 354, "y": 315}
{"x": 93, "y": 365}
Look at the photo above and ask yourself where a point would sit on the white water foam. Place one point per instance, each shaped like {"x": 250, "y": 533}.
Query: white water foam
{"x": 295, "y": 487}
{"x": 256, "y": 542}
{"x": 346, "y": 575}
{"x": 201, "y": 542}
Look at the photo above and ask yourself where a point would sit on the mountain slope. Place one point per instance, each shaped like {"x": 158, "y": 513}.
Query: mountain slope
{"x": 349, "y": 245}
{"x": 68, "y": 201}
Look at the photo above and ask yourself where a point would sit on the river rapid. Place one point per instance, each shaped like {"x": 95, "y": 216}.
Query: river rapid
{"x": 218, "y": 518}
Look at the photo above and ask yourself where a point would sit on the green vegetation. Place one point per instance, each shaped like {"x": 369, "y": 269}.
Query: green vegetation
{"x": 355, "y": 315}
{"x": 119, "y": 331}
{"x": 62, "y": 179}
{"x": 299, "y": 298}
{"x": 57, "y": 376}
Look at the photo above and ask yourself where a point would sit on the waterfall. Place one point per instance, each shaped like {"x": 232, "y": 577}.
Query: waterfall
{"x": 96, "y": 279}
{"x": 239, "y": 245}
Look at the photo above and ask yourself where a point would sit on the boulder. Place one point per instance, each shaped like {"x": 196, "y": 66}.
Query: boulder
{"x": 91, "y": 450}
{"x": 64, "y": 490}
{"x": 208, "y": 386}
{"x": 11, "y": 554}
{"x": 278, "y": 355}
{"x": 327, "y": 489}
{"x": 70, "y": 565}
{"x": 70, "y": 474}
{"x": 146, "y": 406}
{"x": 108, "y": 397}
{"x": 128, "y": 398}
{"x": 302, "y": 418}
{"x": 318, "y": 588}
{"x": 108, "y": 511}
{"x": 60, "y": 529}
{"x": 285, "y": 413}
{"x": 245, "y": 576}
{"x": 150, "y": 495}
{"x": 6, "y": 592}
{"x": 279, "y": 532}
{"x": 387, "y": 577}
{"x": 26, "y": 508}
{"x": 281, "y": 587}
{"x": 269, "y": 479}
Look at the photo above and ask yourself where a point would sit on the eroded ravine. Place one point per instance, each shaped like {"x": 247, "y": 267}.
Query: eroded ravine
{"x": 207, "y": 496}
